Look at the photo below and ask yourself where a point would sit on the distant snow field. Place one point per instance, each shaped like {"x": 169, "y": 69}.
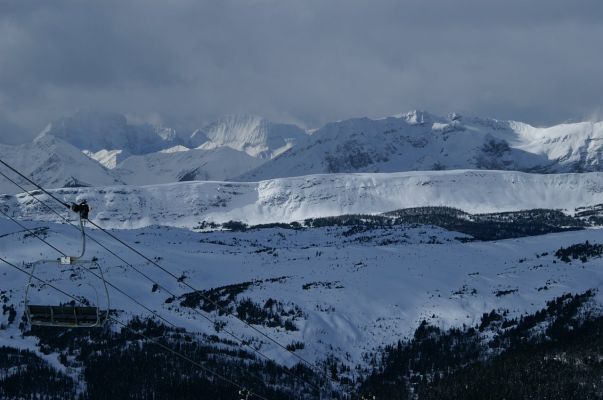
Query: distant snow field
{"x": 187, "y": 204}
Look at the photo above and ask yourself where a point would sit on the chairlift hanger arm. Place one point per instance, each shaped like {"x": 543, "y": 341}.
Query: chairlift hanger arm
{"x": 83, "y": 209}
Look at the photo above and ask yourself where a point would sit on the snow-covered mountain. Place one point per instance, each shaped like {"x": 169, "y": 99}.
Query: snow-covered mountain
{"x": 104, "y": 134}
{"x": 188, "y": 204}
{"x": 254, "y": 135}
{"x": 179, "y": 164}
{"x": 149, "y": 154}
{"x": 107, "y": 158}
{"x": 247, "y": 148}
{"x": 422, "y": 141}
{"x": 52, "y": 163}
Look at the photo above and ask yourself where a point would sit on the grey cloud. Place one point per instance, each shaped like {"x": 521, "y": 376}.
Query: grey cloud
{"x": 304, "y": 61}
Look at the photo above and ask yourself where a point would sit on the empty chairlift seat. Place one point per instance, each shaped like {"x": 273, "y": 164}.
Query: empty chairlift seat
{"x": 66, "y": 316}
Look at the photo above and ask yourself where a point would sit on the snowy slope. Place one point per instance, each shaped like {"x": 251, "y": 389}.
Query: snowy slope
{"x": 421, "y": 141}
{"x": 186, "y": 204}
{"x": 254, "y": 135}
{"x": 354, "y": 295}
{"x": 52, "y": 163}
{"x": 107, "y": 158}
{"x": 575, "y": 146}
{"x": 182, "y": 164}
{"x": 95, "y": 131}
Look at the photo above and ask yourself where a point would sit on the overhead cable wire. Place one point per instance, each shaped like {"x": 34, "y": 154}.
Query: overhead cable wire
{"x": 154, "y": 313}
{"x": 230, "y": 333}
{"x": 154, "y": 341}
{"x": 214, "y": 303}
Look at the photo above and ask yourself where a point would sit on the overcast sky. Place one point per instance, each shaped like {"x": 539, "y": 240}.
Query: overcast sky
{"x": 185, "y": 63}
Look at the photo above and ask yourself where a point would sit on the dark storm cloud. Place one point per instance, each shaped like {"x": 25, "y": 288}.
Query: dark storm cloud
{"x": 307, "y": 61}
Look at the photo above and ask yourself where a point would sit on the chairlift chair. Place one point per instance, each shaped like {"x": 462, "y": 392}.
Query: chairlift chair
{"x": 69, "y": 315}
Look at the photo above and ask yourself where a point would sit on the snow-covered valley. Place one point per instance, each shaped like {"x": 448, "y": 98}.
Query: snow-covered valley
{"x": 354, "y": 292}
{"x": 331, "y": 293}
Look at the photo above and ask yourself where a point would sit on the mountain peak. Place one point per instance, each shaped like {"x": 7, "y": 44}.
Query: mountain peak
{"x": 95, "y": 130}
{"x": 83, "y": 124}
{"x": 252, "y": 134}
{"x": 54, "y": 163}
{"x": 197, "y": 138}
{"x": 419, "y": 117}
{"x": 236, "y": 128}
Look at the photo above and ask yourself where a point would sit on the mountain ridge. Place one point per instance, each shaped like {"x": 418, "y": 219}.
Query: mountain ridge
{"x": 53, "y": 163}
{"x": 422, "y": 141}
{"x": 189, "y": 204}
{"x": 95, "y": 130}
{"x": 252, "y": 134}
{"x": 264, "y": 150}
